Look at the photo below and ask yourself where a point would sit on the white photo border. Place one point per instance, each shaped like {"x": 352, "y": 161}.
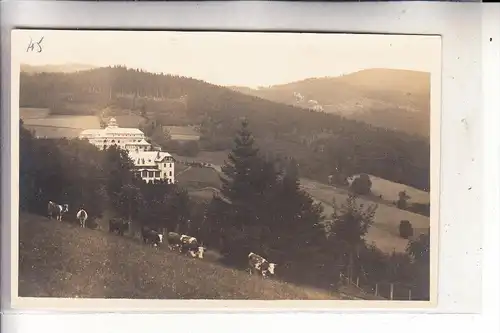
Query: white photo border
{"x": 460, "y": 243}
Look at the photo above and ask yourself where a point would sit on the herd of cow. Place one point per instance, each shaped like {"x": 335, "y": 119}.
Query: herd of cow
{"x": 176, "y": 242}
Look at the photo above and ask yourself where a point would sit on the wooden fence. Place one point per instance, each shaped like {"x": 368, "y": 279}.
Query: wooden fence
{"x": 383, "y": 290}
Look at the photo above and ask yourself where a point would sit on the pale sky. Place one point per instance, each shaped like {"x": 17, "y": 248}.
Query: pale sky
{"x": 228, "y": 58}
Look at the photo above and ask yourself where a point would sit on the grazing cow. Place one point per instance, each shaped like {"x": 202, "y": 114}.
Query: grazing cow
{"x": 174, "y": 241}
{"x": 120, "y": 226}
{"x": 151, "y": 236}
{"x": 82, "y": 216}
{"x": 259, "y": 264}
{"x": 197, "y": 252}
{"x": 190, "y": 245}
{"x": 57, "y": 210}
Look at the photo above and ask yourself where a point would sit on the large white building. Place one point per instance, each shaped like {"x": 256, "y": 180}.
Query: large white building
{"x": 130, "y": 139}
{"x": 150, "y": 165}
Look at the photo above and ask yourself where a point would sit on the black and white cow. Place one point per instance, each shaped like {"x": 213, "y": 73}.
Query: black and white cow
{"x": 259, "y": 264}
{"x": 174, "y": 241}
{"x": 151, "y": 236}
{"x": 190, "y": 246}
{"x": 82, "y": 216}
{"x": 56, "y": 210}
{"x": 119, "y": 226}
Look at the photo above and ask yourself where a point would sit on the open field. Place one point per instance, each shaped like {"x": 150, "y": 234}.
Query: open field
{"x": 180, "y": 168}
{"x": 78, "y": 122}
{"x": 385, "y": 230}
{"x": 50, "y": 132}
{"x": 59, "y": 259}
{"x": 213, "y": 157}
{"x": 56, "y": 126}
{"x": 28, "y": 113}
{"x": 198, "y": 178}
{"x": 182, "y": 133}
{"x": 390, "y": 190}
{"x": 203, "y": 194}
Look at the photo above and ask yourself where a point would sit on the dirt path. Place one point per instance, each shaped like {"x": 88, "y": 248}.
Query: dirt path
{"x": 183, "y": 171}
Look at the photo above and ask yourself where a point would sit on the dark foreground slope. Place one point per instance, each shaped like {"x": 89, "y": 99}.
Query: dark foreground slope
{"x": 58, "y": 259}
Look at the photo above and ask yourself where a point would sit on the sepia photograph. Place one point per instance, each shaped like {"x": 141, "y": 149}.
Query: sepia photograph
{"x": 168, "y": 165}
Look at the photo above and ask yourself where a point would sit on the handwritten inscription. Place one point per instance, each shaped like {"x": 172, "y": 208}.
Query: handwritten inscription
{"x": 35, "y": 46}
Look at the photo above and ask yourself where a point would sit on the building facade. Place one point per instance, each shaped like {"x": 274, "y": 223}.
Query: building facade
{"x": 149, "y": 164}
{"x": 153, "y": 166}
{"x": 130, "y": 139}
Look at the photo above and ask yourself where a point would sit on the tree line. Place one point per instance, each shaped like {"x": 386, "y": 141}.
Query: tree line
{"x": 260, "y": 209}
{"x": 321, "y": 143}
{"x": 77, "y": 173}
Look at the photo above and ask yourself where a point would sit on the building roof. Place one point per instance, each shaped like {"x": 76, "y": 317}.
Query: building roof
{"x": 140, "y": 143}
{"x": 149, "y": 157}
{"x": 91, "y": 132}
{"x": 147, "y": 169}
{"x": 110, "y": 130}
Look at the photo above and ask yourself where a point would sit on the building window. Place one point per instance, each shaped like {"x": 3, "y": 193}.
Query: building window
{"x": 170, "y": 173}
{"x": 157, "y": 174}
{"x": 164, "y": 165}
{"x": 164, "y": 175}
{"x": 151, "y": 174}
{"x": 144, "y": 173}
{"x": 170, "y": 165}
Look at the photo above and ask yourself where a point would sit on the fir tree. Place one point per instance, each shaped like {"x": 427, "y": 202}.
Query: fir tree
{"x": 242, "y": 180}
{"x": 243, "y": 211}
{"x": 298, "y": 229}
{"x": 350, "y": 225}
{"x": 419, "y": 250}
{"x": 117, "y": 170}
{"x": 179, "y": 207}
{"x": 27, "y": 173}
{"x": 130, "y": 203}
{"x": 237, "y": 169}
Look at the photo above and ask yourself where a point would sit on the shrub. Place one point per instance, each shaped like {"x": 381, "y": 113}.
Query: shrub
{"x": 362, "y": 185}
{"x": 405, "y": 229}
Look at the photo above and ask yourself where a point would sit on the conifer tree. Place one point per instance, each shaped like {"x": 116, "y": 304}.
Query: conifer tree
{"x": 351, "y": 222}
{"x": 419, "y": 250}
{"x": 118, "y": 173}
{"x": 240, "y": 181}
{"x": 298, "y": 229}
{"x": 243, "y": 209}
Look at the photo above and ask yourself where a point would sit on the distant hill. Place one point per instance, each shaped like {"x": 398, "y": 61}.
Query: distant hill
{"x": 321, "y": 143}
{"x": 389, "y": 98}
{"x": 63, "y": 68}
{"x": 62, "y": 260}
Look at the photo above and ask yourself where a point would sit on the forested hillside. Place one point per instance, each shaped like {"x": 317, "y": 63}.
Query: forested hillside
{"x": 321, "y": 143}
{"x": 389, "y": 98}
